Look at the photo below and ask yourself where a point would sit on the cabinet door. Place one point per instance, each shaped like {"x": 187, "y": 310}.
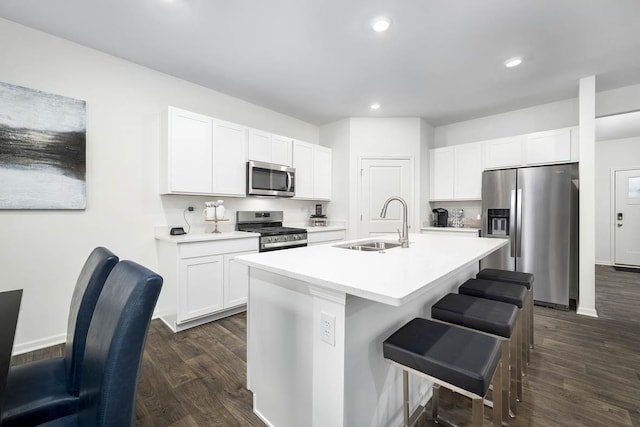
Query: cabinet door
{"x": 259, "y": 146}
{"x": 441, "y": 165}
{"x": 281, "y": 150}
{"x": 548, "y": 147}
{"x": 200, "y": 287}
{"x": 236, "y": 280}
{"x": 467, "y": 181}
{"x": 321, "y": 173}
{"x": 303, "y": 162}
{"x": 189, "y": 152}
{"x": 229, "y": 159}
{"x": 503, "y": 152}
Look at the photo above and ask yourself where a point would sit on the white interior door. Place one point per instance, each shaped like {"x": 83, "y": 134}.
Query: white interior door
{"x": 379, "y": 180}
{"x": 627, "y": 217}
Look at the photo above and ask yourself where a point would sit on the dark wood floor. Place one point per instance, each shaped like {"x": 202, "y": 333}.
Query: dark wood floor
{"x": 583, "y": 372}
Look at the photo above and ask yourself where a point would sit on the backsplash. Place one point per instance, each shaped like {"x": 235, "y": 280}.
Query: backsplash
{"x": 174, "y": 206}
{"x": 472, "y": 210}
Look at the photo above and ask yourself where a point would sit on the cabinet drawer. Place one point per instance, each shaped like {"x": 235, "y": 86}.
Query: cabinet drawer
{"x": 197, "y": 249}
{"x": 326, "y": 236}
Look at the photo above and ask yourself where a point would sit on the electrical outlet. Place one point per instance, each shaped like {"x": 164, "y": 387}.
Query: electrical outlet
{"x": 328, "y": 328}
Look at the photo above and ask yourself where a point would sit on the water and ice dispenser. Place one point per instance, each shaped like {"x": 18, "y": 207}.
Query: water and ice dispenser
{"x": 498, "y": 222}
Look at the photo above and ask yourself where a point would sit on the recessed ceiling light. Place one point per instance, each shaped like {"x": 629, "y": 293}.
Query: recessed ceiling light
{"x": 375, "y": 106}
{"x": 513, "y": 62}
{"x": 380, "y": 24}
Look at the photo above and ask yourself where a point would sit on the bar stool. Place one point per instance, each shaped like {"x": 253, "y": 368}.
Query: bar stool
{"x": 505, "y": 292}
{"x": 492, "y": 317}
{"x": 459, "y": 359}
{"x": 518, "y": 278}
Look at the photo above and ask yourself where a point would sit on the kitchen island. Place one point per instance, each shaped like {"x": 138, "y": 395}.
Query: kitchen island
{"x": 317, "y": 317}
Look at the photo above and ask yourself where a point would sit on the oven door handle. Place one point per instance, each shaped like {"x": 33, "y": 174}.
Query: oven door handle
{"x": 284, "y": 244}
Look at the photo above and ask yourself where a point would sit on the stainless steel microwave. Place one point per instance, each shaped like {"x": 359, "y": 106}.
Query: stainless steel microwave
{"x": 269, "y": 179}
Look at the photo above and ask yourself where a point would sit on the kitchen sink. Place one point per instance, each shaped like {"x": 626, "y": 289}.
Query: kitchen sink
{"x": 369, "y": 246}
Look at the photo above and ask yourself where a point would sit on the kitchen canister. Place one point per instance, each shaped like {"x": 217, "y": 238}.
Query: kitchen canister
{"x": 213, "y": 210}
{"x": 219, "y": 209}
{"x": 457, "y": 218}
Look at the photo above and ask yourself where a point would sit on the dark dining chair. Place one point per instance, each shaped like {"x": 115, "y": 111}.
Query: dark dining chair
{"x": 115, "y": 345}
{"x": 46, "y": 389}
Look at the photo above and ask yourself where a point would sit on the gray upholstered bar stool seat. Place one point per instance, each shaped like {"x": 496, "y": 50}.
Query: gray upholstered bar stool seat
{"x": 459, "y": 359}
{"x": 492, "y": 317}
{"x": 505, "y": 292}
{"x": 517, "y": 278}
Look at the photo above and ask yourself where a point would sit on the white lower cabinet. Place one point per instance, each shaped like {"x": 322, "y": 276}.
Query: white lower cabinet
{"x": 200, "y": 291}
{"x": 236, "y": 280}
{"x": 203, "y": 281}
{"x": 328, "y": 236}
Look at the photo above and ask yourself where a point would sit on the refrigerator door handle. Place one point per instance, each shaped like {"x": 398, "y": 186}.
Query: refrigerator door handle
{"x": 519, "y": 223}
{"x": 512, "y": 224}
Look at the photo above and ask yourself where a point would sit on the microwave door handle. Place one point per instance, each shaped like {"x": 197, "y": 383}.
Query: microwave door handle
{"x": 512, "y": 224}
{"x": 288, "y": 181}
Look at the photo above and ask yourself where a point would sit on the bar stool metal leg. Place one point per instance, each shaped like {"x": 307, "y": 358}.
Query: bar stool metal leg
{"x": 435, "y": 401}
{"x": 531, "y": 318}
{"x": 405, "y": 397}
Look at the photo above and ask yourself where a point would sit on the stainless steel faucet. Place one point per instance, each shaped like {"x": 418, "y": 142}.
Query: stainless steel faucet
{"x": 404, "y": 237}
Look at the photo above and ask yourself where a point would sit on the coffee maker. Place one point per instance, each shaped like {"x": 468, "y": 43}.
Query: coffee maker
{"x": 440, "y": 217}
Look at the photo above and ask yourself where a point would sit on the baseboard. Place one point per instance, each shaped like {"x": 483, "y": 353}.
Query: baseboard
{"x": 39, "y": 344}
{"x": 600, "y": 262}
{"x": 587, "y": 311}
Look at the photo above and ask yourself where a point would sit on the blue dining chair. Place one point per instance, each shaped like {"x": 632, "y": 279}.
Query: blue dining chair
{"x": 47, "y": 389}
{"x": 114, "y": 349}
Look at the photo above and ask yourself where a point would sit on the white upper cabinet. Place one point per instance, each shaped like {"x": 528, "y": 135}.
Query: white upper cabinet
{"x": 202, "y": 155}
{"x": 281, "y": 150}
{"x": 467, "y": 169}
{"x": 229, "y": 159}
{"x": 441, "y": 176}
{"x": 259, "y": 145}
{"x": 456, "y": 172}
{"x": 303, "y": 162}
{"x": 322, "y": 173}
{"x": 186, "y": 154}
{"x": 313, "y": 171}
{"x": 266, "y": 147}
{"x": 503, "y": 153}
{"x": 547, "y": 147}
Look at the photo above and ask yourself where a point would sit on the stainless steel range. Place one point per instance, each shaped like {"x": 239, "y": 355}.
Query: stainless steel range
{"x": 273, "y": 236}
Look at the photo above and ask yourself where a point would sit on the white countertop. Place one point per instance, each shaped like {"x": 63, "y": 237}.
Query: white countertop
{"x": 202, "y": 237}
{"x": 394, "y": 277}
{"x": 454, "y": 229}
{"x": 327, "y": 228}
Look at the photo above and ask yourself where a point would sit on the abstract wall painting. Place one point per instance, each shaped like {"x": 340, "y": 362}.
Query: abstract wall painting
{"x": 42, "y": 150}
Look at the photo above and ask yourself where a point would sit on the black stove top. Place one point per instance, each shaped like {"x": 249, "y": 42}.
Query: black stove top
{"x": 269, "y": 230}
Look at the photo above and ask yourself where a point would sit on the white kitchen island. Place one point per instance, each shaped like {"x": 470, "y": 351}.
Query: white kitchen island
{"x": 317, "y": 317}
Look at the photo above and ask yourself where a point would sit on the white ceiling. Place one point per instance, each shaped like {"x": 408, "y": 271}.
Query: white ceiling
{"x": 318, "y": 60}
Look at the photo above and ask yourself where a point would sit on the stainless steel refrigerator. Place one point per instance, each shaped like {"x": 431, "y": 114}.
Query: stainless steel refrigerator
{"x": 536, "y": 209}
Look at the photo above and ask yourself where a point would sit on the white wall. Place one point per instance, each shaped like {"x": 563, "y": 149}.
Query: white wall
{"x": 618, "y": 100}
{"x": 427, "y": 135}
{"x": 336, "y": 136}
{"x": 554, "y": 115}
{"x": 610, "y": 155}
{"x": 43, "y": 251}
{"x": 384, "y": 137}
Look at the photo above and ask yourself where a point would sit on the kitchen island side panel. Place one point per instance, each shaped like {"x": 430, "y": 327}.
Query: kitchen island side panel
{"x": 373, "y": 386}
{"x": 298, "y": 379}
